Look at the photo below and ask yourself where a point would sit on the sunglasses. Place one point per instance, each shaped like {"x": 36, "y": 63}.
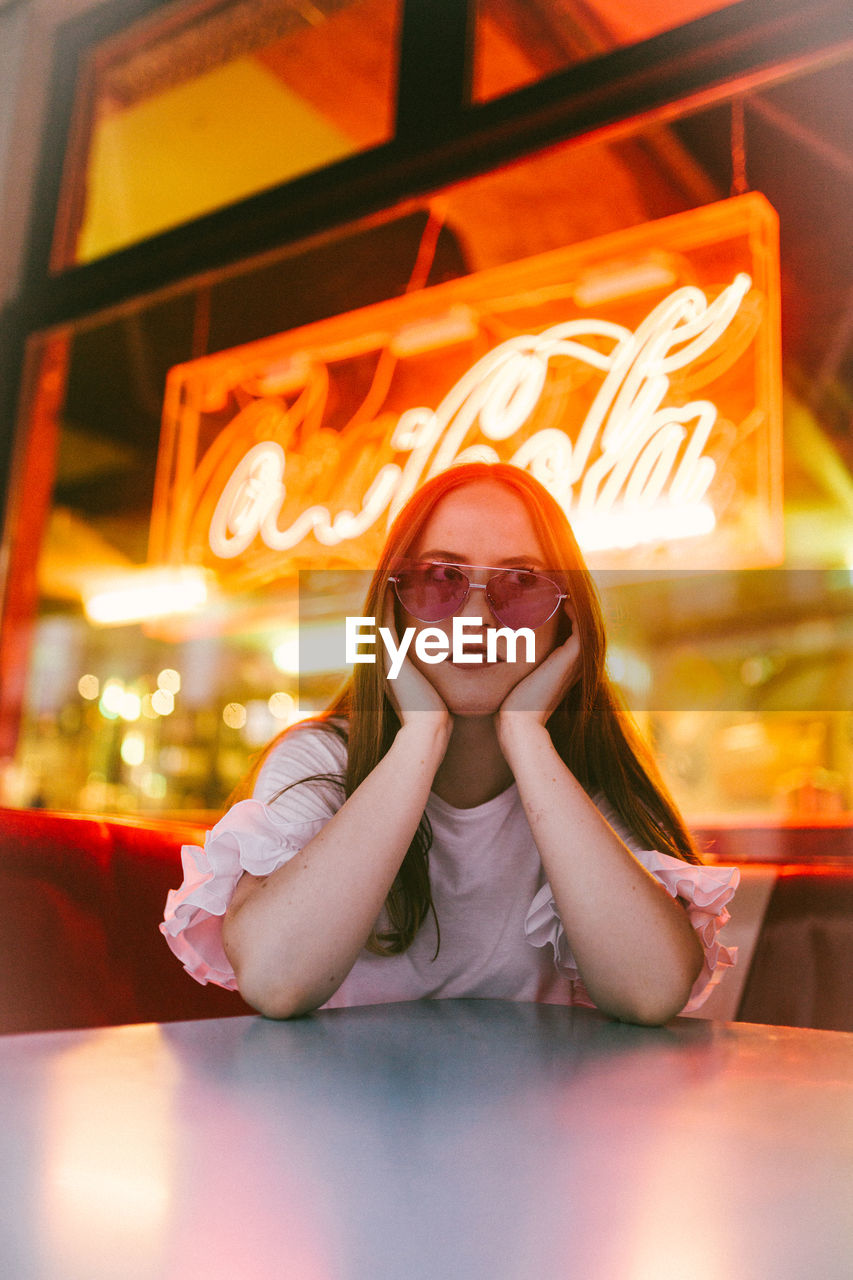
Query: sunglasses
{"x": 518, "y": 598}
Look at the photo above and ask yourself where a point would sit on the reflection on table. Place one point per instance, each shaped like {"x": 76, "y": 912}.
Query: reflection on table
{"x": 435, "y": 1140}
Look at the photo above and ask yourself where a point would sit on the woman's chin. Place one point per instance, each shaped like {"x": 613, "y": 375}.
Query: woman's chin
{"x": 471, "y": 708}
{"x": 467, "y": 694}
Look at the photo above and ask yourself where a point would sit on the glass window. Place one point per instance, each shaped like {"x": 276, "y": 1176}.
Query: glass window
{"x": 213, "y": 102}
{"x": 129, "y": 690}
{"x": 518, "y": 42}
{"x": 744, "y": 688}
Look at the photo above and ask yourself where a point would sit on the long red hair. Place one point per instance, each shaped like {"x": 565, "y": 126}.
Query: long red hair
{"x": 591, "y": 729}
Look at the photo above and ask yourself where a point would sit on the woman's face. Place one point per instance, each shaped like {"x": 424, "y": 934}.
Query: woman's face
{"x": 480, "y": 524}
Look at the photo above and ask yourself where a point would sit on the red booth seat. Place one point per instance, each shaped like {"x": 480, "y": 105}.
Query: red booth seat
{"x": 81, "y": 899}
{"x": 799, "y": 972}
{"x": 80, "y": 903}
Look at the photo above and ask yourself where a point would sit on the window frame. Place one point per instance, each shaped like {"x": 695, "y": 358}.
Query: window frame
{"x": 440, "y": 138}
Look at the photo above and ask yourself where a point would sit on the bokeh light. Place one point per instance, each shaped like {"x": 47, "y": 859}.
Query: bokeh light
{"x": 169, "y": 680}
{"x": 111, "y": 698}
{"x": 89, "y": 687}
{"x": 234, "y": 715}
{"x": 282, "y": 706}
{"x": 130, "y": 706}
{"x": 163, "y": 702}
{"x": 133, "y": 748}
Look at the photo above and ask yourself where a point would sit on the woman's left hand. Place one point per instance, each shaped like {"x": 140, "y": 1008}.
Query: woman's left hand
{"x": 538, "y": 695}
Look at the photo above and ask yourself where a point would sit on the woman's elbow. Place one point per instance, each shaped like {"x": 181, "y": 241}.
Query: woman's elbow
{"x": 274, "y": 999}
{"x": 269, "y": 990}
{"x": 261, "y": 989}
{"x": 654, "y": 1012}
{"x": 659, "y": 1003}
{"x": 279, "y": 1008}
{"x": 660, "y": 1006}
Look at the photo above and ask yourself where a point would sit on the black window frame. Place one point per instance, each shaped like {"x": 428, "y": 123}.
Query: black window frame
{"x": 440, "y": 137}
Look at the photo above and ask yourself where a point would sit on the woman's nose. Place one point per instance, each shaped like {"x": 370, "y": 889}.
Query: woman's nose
{"x": 477, "y": 606}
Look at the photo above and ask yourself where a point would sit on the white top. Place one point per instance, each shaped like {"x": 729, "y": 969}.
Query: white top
{"x": 501, "y": 936}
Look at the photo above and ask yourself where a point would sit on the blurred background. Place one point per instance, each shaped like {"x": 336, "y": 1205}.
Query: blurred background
{"x": 181, "y": 180}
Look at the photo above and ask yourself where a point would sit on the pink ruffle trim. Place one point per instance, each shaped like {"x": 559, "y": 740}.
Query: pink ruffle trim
{"x": 248, "y": 838}
{"x": 705, "y": 891}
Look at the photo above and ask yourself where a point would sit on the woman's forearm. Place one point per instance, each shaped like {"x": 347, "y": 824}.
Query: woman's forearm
{"x": 634, "y": 945}
{"x": 293, "y": 936}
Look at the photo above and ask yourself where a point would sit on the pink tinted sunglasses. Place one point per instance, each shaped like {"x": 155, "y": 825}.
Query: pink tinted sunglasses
{"x": 433, "y": 590}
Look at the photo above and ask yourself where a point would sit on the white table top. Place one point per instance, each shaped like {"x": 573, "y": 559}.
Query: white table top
{"x": 427, "y": 1141}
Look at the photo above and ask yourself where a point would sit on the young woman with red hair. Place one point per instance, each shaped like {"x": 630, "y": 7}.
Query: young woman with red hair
{"x": 489, "y": 828}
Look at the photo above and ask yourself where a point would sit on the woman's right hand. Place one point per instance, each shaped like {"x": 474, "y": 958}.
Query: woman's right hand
{"x": 292, "y": 936}
{"x": 411, "y": 694}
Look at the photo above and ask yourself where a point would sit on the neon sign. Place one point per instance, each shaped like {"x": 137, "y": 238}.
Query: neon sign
{"x": 637, "y": 377}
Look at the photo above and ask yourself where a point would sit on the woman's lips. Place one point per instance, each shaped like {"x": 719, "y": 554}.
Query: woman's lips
{"x": 477, "y": 660}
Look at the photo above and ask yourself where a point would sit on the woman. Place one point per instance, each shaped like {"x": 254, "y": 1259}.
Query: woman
{"x": 480, "y": 828}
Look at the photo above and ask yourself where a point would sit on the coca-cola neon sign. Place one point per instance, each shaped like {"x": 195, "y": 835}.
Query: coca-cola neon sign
{"x": 651, "y": 411}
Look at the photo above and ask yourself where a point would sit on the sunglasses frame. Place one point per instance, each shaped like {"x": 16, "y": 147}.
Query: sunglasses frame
{"x": 493, "y": 570}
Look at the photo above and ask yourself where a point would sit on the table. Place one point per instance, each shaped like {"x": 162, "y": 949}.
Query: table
{"x": 427, "y": 1141}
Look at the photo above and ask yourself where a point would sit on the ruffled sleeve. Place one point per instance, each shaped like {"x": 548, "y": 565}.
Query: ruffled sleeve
{"x": 705, "y": 892}
{"x": 253, "y": 836}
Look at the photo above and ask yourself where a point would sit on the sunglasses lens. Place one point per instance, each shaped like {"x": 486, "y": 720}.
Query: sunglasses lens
{"x": 521, "y": 599}
{"x": 431, "y": 592}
